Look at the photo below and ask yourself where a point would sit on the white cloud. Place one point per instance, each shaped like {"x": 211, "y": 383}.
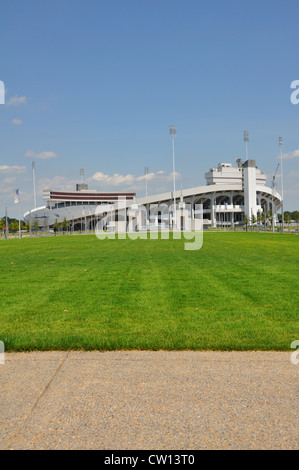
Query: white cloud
{"x": 16, "y": 121}
{"x": 291, "y": 191}
{"x": 12, "y": 169}
{"x": 16, "y": 100}
{"x": 9, "y": 180}
{"x": 115, "y": 180}
{"x": 62, "y": 183}
{"x": 7, "y": 190}
{"x": 159, "y": 180}
{"x": 42, "y": 155}
{"x": 287, "y": 156}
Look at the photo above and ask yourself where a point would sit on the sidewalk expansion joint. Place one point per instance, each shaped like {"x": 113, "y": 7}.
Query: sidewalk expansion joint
{"x": 44, "y": 391}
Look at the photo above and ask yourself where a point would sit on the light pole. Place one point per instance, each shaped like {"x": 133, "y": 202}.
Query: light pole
{"x": 273, "y": 191}
{"x": 33, "y": 176}
{"x": 281, "y": 176}
{"x": 30, "y": 225}
{"x": 146, "y": 173}
{"x": 19, "y": 218}
{"x": 82, "y": 175}
{"x": 6, "y": 224}
{"x": 246, "y": 140}
{"x": 17, "y": 201}
{"x": 172, "y": 133}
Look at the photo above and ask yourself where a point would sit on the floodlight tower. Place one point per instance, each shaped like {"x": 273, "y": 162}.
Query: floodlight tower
{"x": 281, "y": 183}
{"x": 33, "y": 176}
{"x": 146, "y": 173}
{"x": 246, "y": 140}
{"x": 172, "y": 133}
{"x": 82, "y": 175}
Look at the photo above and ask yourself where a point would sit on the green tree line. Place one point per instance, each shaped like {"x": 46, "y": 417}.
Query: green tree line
{"x": 13, "y": 224}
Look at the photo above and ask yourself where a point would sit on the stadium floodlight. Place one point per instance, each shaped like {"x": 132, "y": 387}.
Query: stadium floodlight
{"x": 146, "y": 170}
{"x": 246, "y": 140}
{"x": 280, "y": 140}
{"x": 172, "y": 133}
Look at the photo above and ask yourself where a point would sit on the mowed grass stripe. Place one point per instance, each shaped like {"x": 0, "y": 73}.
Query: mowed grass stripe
{"x": 240, "y": 291}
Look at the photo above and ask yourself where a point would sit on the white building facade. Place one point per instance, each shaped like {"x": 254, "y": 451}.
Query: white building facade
{"x": 230, "y": 194}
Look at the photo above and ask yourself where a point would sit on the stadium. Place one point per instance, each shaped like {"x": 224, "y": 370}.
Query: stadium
{"x": 230, "y": 194}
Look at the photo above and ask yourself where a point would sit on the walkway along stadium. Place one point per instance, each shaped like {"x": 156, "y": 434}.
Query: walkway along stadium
{"x": 230, "y": 194}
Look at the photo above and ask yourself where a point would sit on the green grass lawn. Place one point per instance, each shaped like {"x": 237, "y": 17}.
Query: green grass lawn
{"x": 239, "y": 292}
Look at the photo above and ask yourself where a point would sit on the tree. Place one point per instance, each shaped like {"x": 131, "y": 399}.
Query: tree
{"x": 260, "y": 218}
{"x": 269, "y": 216}
{"x": 56, "y": 226}
{"x": 36, "y": 225}
{"x": 64, "y": 225}
{"x": 253, "y": 221}
{"x": 14, "y": 226}
{"x": 287, "y": 219}
{"x": 46, "y": 224}
{"x": 295, "y": 216}
{"x": 246, "y": 221}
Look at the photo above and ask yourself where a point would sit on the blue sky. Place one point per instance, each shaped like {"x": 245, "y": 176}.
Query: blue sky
{"x": 95, "y": 84}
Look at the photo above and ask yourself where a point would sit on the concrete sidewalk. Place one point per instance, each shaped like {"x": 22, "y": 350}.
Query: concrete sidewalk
{"x": 149, "y": 400}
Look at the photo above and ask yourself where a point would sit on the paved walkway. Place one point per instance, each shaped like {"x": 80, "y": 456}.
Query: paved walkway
{"x": 148, "y": 400}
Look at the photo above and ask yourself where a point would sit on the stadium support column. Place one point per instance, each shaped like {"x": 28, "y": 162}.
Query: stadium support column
{"x": 213, "y": 212}
{"x": 147, "y": 220}
{"x": 232, "y": 221}
{"x": 249, "y": 187}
